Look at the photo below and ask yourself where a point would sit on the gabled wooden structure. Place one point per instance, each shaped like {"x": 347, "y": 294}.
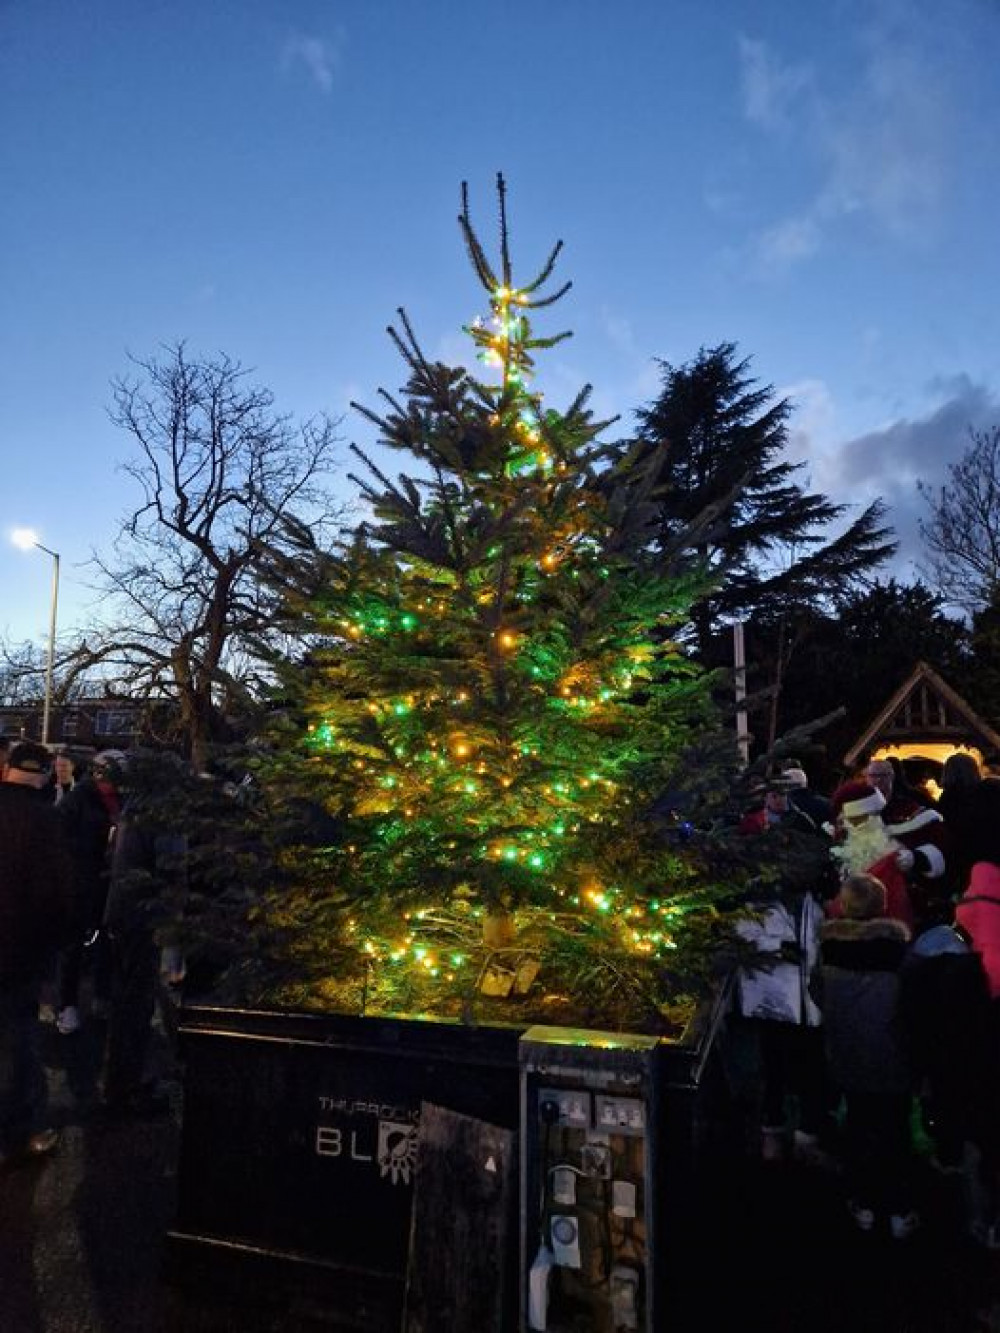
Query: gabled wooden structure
{"x": 925, "y": 719}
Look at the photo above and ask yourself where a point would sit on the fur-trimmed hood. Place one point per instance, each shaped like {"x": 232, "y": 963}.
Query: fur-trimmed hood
{"x": 849, "y": 930}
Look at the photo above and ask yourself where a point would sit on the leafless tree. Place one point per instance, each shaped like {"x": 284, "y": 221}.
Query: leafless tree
{"x": 218, "y": 470}
{"x": 22, "y": 674}
{"x": 962, "y": 534}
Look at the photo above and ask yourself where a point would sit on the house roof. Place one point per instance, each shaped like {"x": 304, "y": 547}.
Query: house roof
{"x": 924, "y": 708}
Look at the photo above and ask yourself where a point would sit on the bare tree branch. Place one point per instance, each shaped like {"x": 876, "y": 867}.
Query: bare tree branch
{"x": 962, "y": 533}
{"x": 220, "y": 473}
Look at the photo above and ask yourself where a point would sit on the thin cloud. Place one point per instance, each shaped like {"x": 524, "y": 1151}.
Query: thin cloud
{"x": 888, "y": 463}
{"x": 319, "y": 57}
{"x": 769, "y": 88}
{"x": 788, "y": 242}
{"x": 880, "y": 147}
{"x": 619, "y": 331}
{"x": 813, "y": 422}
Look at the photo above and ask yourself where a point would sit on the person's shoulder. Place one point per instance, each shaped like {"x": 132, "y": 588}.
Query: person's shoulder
{"x": 23, "y": 797}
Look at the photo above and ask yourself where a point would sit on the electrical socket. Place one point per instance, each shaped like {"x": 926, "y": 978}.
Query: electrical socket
{"x": 563, "y": 1185}
{"x": 572, "y": 1104}
{"x": 595, "y": 1161}
{"x": 565, "y": 1235}
{"x": 620, "y": 1115}
{"x": 623, "y": 1198}
{"x": 625, "y": 1297}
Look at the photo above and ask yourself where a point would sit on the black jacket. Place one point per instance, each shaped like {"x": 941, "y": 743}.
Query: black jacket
{"x": 35, "y": 884}
{"x": 857, "y": 989}
{"x": 87, "y": 828}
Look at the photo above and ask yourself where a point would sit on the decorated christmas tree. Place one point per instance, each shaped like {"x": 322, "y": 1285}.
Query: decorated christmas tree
{"x": 492, "y": 714}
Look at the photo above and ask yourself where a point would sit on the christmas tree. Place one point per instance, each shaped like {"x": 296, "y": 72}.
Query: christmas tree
{"x": 494, "y": 712}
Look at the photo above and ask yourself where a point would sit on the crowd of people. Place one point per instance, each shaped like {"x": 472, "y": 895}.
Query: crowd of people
{"x": 79, "y": 868}
{"x": 872, "y": 993}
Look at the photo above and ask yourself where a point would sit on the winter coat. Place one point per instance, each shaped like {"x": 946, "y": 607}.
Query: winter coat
{"x": 816, "y": 808}
{"x": 945, "y": 1005}
{"x": 957, "y": 806}
{"x": 923, "y": 832}
{"x": 977, "y": 913}
{"x": 786, "y": 935}
{"x": 35, "y": 885}
{"x": 87, "y": 826}
{"x": 857, "y": 988}
{"x": 148, "y": 866}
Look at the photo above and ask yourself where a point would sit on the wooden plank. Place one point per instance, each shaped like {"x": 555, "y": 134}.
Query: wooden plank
{"x": 461, "y": 1275}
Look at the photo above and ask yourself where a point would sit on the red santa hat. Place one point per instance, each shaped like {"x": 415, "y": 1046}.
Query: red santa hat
{"x": 856, "y": 799}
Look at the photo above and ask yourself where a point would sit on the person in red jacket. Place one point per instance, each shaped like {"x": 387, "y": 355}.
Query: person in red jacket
{"x": 864, "y": 846}
{"x": 911, "y": 822}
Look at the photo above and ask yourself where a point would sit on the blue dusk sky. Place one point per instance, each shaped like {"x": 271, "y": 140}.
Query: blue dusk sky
{"x": 272, "y": 178}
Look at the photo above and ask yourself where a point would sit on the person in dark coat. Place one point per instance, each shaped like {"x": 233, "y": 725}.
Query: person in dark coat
{"x": 947, "y": 1024}
{"x": 961, "y": 778}
{"x": 35, "y": 911}
{"x": 857, "y": 989}
{"x": 810, "y": 803}
{"x": 89, "y": 813}
{"x": 148, "y": 870}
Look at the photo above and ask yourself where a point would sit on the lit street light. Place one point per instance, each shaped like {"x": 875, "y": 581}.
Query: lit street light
{"x": 26, "y": 538}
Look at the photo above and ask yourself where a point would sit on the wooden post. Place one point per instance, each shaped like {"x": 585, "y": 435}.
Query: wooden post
{"x": 740, "y": 665}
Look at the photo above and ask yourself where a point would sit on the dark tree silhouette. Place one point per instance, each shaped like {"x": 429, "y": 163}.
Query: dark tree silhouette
{"x": 217, "y": 469}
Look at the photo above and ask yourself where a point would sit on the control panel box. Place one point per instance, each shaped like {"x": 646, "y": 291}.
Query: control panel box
{"x": 589, "y": 1117}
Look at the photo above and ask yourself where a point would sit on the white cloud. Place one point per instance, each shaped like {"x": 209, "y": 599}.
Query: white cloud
{"x": 788, "y": 242}
{"x": 770, "y": 89}
{"x": 877, "y": 147}
{"x": 888, "y": 462}
{"x": 812, "y": 426}
{"x": 619, "y": 331}
{"x": 319, "y": 57}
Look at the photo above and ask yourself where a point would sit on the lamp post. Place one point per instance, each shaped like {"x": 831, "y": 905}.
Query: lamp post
{"x": 26, "y": 538}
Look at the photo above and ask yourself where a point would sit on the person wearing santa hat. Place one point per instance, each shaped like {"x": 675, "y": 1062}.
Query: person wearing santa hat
{"x": 864, "y": 846}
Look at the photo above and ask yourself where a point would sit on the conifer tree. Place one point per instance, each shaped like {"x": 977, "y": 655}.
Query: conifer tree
{"x": 763, "y": 535}
{"x": 493, "y": 708}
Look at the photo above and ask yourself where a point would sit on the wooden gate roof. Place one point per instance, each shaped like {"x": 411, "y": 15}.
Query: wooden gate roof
{"x": 925, "y": 708}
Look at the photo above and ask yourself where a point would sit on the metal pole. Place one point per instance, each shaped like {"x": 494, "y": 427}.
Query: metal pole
{"x": 46, "y": 712}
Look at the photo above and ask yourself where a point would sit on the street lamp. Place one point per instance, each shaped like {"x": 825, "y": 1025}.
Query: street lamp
{"x": 26, "y": 538}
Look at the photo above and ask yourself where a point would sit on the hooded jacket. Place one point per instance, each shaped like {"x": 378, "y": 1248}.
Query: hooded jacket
{"x": 857, "y": 989}
{"x": 977, "y": 913}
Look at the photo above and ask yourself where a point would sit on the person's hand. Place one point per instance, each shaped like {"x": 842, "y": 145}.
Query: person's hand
{"x": 905, "y": 859}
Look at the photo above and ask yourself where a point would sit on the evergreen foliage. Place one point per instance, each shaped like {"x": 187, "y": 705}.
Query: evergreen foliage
{"x": 764, "y": 538}
{"x": 857, "y": 657}
{"x": 492, "y": 719}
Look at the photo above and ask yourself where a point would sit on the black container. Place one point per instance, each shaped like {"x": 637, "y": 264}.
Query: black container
{"x": 299, "y": 1137}
{"x": 299, "y": 1142}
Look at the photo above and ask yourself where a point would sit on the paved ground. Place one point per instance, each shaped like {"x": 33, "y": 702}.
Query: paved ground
{"x": 81, "y": 1243}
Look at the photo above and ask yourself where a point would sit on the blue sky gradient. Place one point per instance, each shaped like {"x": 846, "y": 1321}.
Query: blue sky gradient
{"x": 272, "y": 178}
